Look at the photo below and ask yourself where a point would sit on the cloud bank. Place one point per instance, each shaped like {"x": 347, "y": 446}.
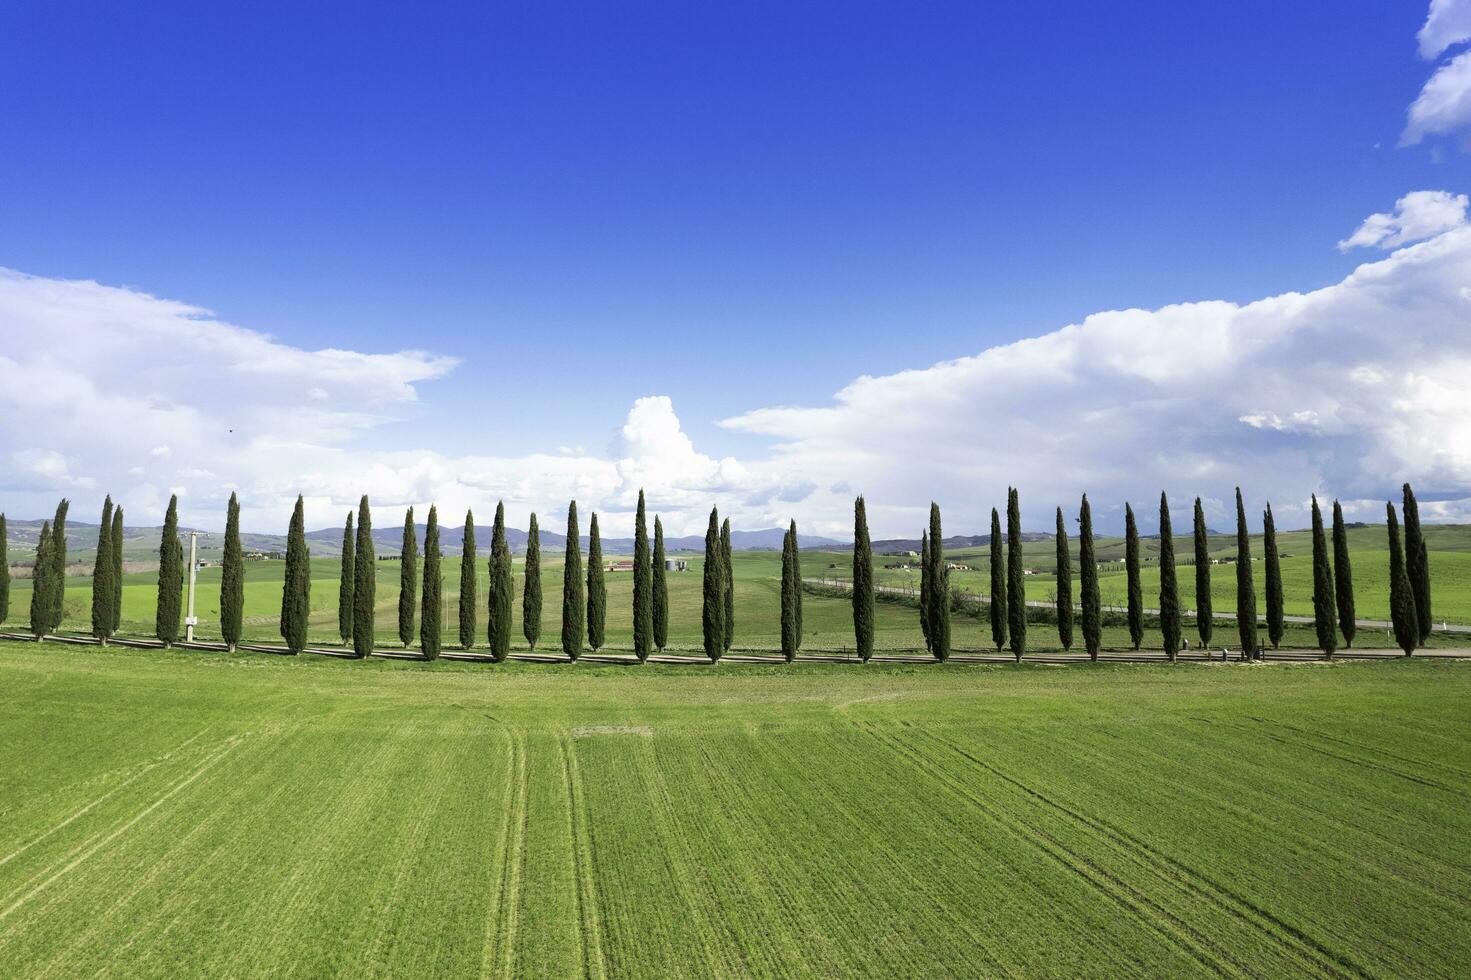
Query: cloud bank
{"x": 1443, "y": 107}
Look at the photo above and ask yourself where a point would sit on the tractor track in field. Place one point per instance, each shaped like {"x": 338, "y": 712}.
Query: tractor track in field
{"x": 1374, "y": 749}
{"x": 594, "y": 964}
{"x": 1351, "y": 760}
{"x": 1291, "y": 939}
{"x": 501, "y": 924}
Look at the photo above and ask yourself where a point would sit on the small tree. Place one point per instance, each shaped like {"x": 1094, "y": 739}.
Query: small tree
{"x": 1204, "y": 616}
{"x": 117, "y": 568}
{"x": 572, "y": 607}
{"x": 498, "y": 617}
{"x": 1131, "y": 567}
{"x": 1401, "y": 597}
{"x": 1323, "y": 605}
{"x": 531, "y": 590}
{"x": 1088, "y": 569}
{"x": 468, "y": 606}
{"x": 926, "y": 593}
{"x": 365, "y": 583}
{"x": 1343, "y": 578}
{"x": 232, "y": 579}
{"x": 346, "y": 582}
{"x": 296, "y": 594}
{"x": 597, "y": 592}
{"x": 1169, "y": 590}
{"x": 660, "y": 601}
{"x": 643, "y": 582}
{"x": 712, "y": 618}
{"x": 940, "y": 586}
{"x": 4, "y": 572}
{"x": 1417, "y": 564}
{"x": 998, "y": 608}
{"x": 41, "y": 575}
{"x": 1274, "y": 579}
{"x": 408, "y": 580}
{"x": 431, "y": 612}
{"x": 1016, "y": 586}
{"x": 791, "y": 586}
{"x": 727, "y": 579}
{"x": 1245, "y": 587}
{"x": 863, "y": 608}
{"x": 103, "y": 593}
{"x": 1064, "y": 586}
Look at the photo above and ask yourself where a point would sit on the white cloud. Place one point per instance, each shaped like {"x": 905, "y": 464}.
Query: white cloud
{"x": 1417, "y": 216}
{"x": 1443, "y": 106}
{"x": 1447, "y": 24}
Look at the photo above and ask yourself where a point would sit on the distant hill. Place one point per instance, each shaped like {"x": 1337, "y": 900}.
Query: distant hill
{"x": 387, "y": 541}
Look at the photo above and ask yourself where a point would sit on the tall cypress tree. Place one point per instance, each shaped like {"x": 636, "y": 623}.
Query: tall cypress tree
{"x": 1204, "y": 615}
{"x": 431, "y": 611}
{"x": 103, "y": 593}
{"x": 1274, "y": 578}
{"x": 296, "y": 594}
{"x": 572, "y": 608}
{"x": 408, "y": 580}
{"x": 727, "y": 580}
{"x": 365, "y": 583}
{"x": 531, "y": 590}
{"x": 232, "y": 579}
{"x": 498, "y": 618}
{"x": 1245, "y": 587}
{"x": 939, "y": 590}
{"x": 1016, "y": 586}
{"x": 1131, "y": 567}
{"x": 56, "y": 592}
{"x": 1343, "y": 578}
{"x": 170, "y": 577}
{"x": 117, "y": 568}
{"x": 1064, "y": 586}
{"x": 597, "y": 592}
{"x": 1088, "y": 569}
{"x": 1417, "y": 564}
{"x": 863, "y": 608}
{"x": 712, "y": 613}
{"x": 643, "y": 575}
{"x": 1169, "y": 590}
{"x": 1402, "y": 613}
{"x": 467, "y": 583}
{"x": 41, "y": 576}
{"x": 660, "y": 599}
{"x": 1323, "y": 605}
{"x": 346, "y": 581}
{"x": 924, "y": 589}
{"x": 789, "y": 588}
{"x": 998, "y": 584}
{"x": 797, "y": 581}
{"x": 4, "y": 572}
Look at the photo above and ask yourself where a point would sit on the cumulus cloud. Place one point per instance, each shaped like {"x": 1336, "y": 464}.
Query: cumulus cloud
{"x": 1443, "y": 106}
{"x": 1447, "y": 24}
{"x": 1417, "y": 216}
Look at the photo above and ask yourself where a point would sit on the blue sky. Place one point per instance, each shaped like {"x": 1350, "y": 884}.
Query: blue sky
{"x": 734, "y": 207}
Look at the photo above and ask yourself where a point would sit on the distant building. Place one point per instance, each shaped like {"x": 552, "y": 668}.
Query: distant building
{"x": 676, "y": 565}
{"x": 626, "y": 565}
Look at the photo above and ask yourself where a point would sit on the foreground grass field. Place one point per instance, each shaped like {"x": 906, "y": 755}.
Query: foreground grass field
{"x": 188, "y": 812}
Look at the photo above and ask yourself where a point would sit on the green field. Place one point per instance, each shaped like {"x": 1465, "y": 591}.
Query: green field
{"x": 189, "y": 812}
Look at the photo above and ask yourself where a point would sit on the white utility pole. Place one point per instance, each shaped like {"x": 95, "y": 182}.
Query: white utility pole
{"x": 190, "y": 620}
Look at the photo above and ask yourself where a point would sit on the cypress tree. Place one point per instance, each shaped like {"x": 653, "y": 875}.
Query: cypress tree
{"x": 727, "y": 580}
{"x": 41, "y": 575}
{"x": 712, "y": 618}
{"x": 431, "y": 611}
{"x": 925, "y": 590}
{"x": 170, "y": 577}
{"x": 939, "y": 590}
{"x": 498, "y": 618}
{"x": 531, "y": 590}
{"x": 1088, "y": 568}
{"x": 789, "y": 587}
{"x": 103, "y": 594}
{"x": 364, "y": 584}
{"x": 1169, "y": 590}
{"x": 1016, "y": 586}
{"x": 1401, "y": 598}
{"x": 1245, "y": 587}
{"x": 232, "y": 579}
{"x": 999, "y": 605}
{"x": 597, "y": 592}
{"x": 4, "y": 572}
{"x": 408, "y": 580}
{"x": 1274, "y": 578}
{"x": 643, "y": 572}
{"x": 56, "y": 592}
{"x": 1131, "y": 566}
{"x": 1343, "y": 578}
{"x": 1323, "y": 606}
{"x": 797, "y": 581}
{"x": 467, "y": 583}
{"x": 572, "y": 609}
{"x": 296, "y": 588}
{"x": 863, "y": 609}
{"x": 1064, "y": 586}
{"x": 1204, "y": 616}
{"x": 660, "y": 612}
{"x": 1417, "y": 564}
{"x": 117, "y": 568}
{"x": 345, "y": 582}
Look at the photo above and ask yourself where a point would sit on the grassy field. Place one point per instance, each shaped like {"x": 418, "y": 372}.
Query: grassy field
{"x": 187, "y": 812}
